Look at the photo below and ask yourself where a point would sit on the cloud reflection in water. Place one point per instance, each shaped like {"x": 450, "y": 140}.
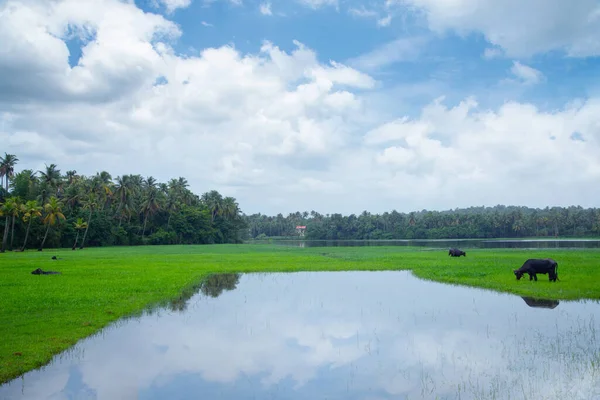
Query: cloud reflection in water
{"x": 337, "y": 335}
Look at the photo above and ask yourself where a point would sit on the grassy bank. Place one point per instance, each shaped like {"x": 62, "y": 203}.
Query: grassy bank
{"x": 43, "y": 315}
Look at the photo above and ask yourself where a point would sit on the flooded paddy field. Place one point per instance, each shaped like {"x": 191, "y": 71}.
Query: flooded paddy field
{"x": 334, "y": 335}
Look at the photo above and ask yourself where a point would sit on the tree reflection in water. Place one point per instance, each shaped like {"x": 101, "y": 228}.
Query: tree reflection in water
{"x": 212, "y": 286}
{"x": 215, "y": 284}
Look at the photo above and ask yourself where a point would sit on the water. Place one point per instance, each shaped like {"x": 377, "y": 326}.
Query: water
{"x": 445, "y": 243}
{"x": 334, "y": 335}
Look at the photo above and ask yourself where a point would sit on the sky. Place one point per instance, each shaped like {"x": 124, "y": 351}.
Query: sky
{"x": 328, "y": 105}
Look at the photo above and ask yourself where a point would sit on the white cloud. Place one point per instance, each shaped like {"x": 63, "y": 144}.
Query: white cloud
{"x": 399, "y": 50}
{"x": 207, "y": 24}
{"x": 526, "y": 74}
{"x": 492, "y": 52}
{"x": 319, "y": 3}
{"x": 120, "y": 57}
{"x": 363, "y": 12}
{"x": 279, "y": 130}
{"x": 385, "y": 21}
{"x": 521, "y": 28}
{"x": 464, "y": 154}
{"x": 265, "y": 9}
{"x": 172, "y": 5}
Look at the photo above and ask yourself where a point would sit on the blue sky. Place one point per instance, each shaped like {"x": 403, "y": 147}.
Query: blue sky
{"x": 299, "y": 105}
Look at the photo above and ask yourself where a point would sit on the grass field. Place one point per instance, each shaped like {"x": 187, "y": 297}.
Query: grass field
{"x": 43, "y": 315}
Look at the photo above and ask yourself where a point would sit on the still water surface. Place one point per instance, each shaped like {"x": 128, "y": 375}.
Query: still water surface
{"x": 334, "y": 335}
{"x": 445, "y": 243}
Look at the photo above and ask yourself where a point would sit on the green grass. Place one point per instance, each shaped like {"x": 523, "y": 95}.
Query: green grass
{"x": 41, "y": 316}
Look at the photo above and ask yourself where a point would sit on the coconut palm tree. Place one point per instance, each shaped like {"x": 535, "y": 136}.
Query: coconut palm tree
{"x": 230, "y": 208}
{"x": 150, "y": 204}
{"x": 214, "y": 202}
{"x": 7, "y": 168}
{"x": 90, "y": 202}
{"x": 5, "y": 210}
{"x": 102, "y": 184}
{"x": 7, "y": 171}
{"x": 30, "y": 210}
{"x": 9, "y": 209}
{"x": 14, "y": 209}
{"x": 79, "y": 225}
{"x": 51, "y": 181}
{"x": 124, "y": 191}
{"x": 53, "y": 211}
{"x": 71, "y": 176}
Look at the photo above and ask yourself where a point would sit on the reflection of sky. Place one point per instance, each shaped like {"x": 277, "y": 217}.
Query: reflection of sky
{"x": 338, "y": 335}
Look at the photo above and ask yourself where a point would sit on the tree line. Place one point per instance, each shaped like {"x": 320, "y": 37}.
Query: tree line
{"x": 473, "y": 222}
{"x": 50, "y": 209}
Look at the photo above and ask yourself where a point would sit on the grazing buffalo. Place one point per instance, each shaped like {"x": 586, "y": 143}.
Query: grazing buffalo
{"x": 40, "y": 271}
{"x": 535, "y": 266}
{"x": 456, "y": 253}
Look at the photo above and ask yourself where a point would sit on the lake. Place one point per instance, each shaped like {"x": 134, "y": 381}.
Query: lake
{"x": 334, "y": 335}
{"x": 446, "y": 243}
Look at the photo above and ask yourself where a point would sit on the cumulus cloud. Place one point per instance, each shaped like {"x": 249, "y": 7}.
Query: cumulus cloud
{"x": 384, "y": 21}
{"x": 520, "y": 28}
{"x": 399, "y": 50}
{"x": 480, "y": 150}
{"x": 492, "y": 52}
{"x": 526, "y": 74}
{"x": 279, "y": 130}
{"x": 265, "y": 9}
{"x": 119, "y": 55}
{"x": 314, "y": 4}
{"x": 362, "y": 12}
{"x": 172, "y": 5}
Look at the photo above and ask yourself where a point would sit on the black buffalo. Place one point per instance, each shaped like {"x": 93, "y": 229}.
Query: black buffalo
{"x": 535, "y": 266}
{"x": 456, "y": 253}
{"x": 40, "y": 271}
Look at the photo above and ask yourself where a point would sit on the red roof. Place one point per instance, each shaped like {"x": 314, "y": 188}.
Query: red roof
{"x": 300, "y": 227}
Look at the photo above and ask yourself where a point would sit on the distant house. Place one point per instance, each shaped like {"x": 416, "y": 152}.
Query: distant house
{"x": 300, "y": 229}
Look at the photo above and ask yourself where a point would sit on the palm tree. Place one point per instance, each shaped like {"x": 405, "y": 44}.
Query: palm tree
{"x": 5, "y": 209}
{"x": 51, "y": 179}
{"x": 89, "y": 203}
{"x": 53, "y": 209}
{"x": 230, "y": 208}
{"x": 30, "y": 211}
{"x": 213, "y": 201}
{"x": 71, "y": 176}
{"x": 79, "y": 225}
{"x": 7, "y": 171}
{"x": 172, "y": 205}
{"x": 102, "y": 185}
{"x": 14, "y": 209}
{"x": 124, "y": 190}
{"x": 150, "y": 203}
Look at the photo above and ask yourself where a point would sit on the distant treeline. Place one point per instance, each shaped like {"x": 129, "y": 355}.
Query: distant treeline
{"x": 474, "y": 222}
{"x": 51, "y": 209}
